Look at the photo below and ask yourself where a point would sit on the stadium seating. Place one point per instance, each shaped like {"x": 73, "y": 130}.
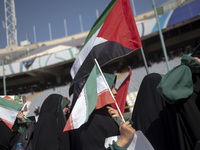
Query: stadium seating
{"x": 135, "y": 81}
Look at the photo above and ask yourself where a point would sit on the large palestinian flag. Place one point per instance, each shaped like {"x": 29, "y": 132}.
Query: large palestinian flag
{"x": 94, "y": 95}
{"x": 8, "y": 111}
{"x": 112, "y": 36}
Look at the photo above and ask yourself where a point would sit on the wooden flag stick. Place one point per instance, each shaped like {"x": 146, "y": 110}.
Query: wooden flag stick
{"x": 110, "y": 90}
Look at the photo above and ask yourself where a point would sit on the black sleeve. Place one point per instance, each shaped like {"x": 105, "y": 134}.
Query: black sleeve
{"x": 14, "y": 134}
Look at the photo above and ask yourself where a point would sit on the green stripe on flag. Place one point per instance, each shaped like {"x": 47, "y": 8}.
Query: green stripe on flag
{"x": 100, "y": 20}
{"x": 91, "y": 90}
{"x": 10, "y": 104}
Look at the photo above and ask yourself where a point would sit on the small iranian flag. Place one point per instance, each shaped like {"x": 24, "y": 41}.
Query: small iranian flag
{"x": 95, "y": 94}
{"x": 8, "y": 111}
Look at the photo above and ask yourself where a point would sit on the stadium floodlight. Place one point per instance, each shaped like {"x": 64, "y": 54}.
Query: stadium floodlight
{"x": 10, "y": 22}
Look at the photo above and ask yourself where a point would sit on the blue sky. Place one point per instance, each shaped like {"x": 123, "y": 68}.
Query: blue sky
{"x": 40, "y": 13}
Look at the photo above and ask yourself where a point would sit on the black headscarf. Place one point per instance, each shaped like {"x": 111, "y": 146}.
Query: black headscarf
{"x": 91, "y": 135}
{"x": 196, "y": 51}
{"x": 146, "y": 113}
{"x": 8, "y": 137}
{"x": 100, "y": 125}
{"x": 168, "y": 126}
{"x": 48, "y": 130}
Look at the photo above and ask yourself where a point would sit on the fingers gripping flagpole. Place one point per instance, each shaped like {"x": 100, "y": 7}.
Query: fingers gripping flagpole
{"x": 109, "y": 90}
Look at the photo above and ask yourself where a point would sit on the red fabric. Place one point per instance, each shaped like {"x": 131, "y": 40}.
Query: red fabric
{"x": 122, "y": 93}
{"x": 104, "y": 98}
{"x": 69, "y": 124}
{"x": 120, "y": 26}
{"x": 9, "y": 124}
{"x": 120, "y": 31}
{"x": 9, "y": 98}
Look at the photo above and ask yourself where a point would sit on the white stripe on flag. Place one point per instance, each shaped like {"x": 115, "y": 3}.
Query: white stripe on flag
{"x": 79, "y": 114}
{"x": 8, "y": 114}
{"x": 93, "y": 41}
{"x": 101, "y": 86}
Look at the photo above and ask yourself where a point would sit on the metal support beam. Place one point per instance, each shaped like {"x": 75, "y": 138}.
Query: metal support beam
{"x": 161, "y": 36}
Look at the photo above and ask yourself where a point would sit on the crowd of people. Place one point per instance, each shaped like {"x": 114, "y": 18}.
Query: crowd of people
{"x": 167, "y": 108}
{"x": 167, "y": 111}
{"x": 48, "y": 131}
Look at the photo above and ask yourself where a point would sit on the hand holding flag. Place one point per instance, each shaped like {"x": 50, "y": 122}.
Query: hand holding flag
{"x": 9, "y": 111}
{"x": 95, "y": 94}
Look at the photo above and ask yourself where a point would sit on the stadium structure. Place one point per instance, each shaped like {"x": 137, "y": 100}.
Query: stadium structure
{"x": 36, "y": 70}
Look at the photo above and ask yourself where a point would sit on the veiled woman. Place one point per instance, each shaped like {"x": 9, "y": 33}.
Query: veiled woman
{"x": 167, "y": 107}
{"x": 48, "y": 130}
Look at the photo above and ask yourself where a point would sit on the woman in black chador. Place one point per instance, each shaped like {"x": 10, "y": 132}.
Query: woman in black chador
{"x": 8, "y": 137}
{"x": 48, "y": 130}
{"x": 167, "y": 108}
{"x": 101, "y": 125}
{"x": 5, "y": 133}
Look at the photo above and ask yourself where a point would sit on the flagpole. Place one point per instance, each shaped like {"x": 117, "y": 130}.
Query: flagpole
{"x": 81, "y": 24}
{"x": 97, "y": 13}
{"x": 34, "y": 33}
{"x": 161, "y": 36}
{"x": 50, "y": 34}
{"x": 144, "y": 59}
{"x": 65, "y": 26}
{"x": 133, "y": 8}
{"x": 109, "y": 90}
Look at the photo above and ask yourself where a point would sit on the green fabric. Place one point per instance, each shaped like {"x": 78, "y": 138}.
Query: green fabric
{"x": 64, "y": 103}
{"x": 114, "y": 146}
{"x": 177, "y": 83}
{"x": 22, "y": 126}
{"x": 100, "y": 21}
{"x": 192, "y": 63}
{"x": 125, "y": 118}
{"x": 110, "y": 78}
